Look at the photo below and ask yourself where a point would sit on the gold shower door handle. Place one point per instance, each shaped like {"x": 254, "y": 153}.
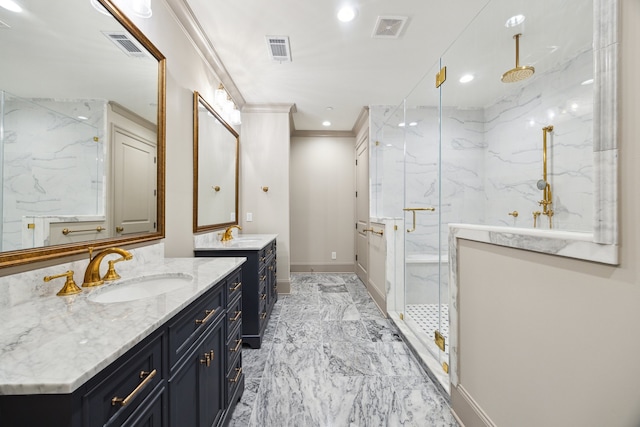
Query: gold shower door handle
{"x": 413, "y": 211}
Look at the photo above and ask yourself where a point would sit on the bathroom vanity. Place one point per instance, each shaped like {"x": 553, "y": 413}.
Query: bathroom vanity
{"x": 259, "y": 289}
{"x": 171, "y": 357}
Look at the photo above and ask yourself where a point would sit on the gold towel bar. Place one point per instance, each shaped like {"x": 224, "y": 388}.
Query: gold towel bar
{"x": 67, "y": 231}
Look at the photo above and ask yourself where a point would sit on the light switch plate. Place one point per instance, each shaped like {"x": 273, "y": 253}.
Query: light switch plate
{"x": 249, "y": 216}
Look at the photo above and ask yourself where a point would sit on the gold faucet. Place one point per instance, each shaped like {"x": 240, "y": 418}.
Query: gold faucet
{"x": 228, "y": 233}
{"x": 92, "y": 274}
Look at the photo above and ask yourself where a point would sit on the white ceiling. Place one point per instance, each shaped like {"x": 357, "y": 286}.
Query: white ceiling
{"x": 335, "y": 64}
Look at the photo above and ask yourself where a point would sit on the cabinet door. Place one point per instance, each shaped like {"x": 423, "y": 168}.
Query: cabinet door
{"x": 195, "y": 390}
{"x": 212, "y": 377}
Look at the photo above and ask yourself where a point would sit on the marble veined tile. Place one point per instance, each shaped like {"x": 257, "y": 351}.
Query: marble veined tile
{"x": 300, "y": 313}
{"x": 303, "y": 288}
{"x": 381, "y": 330}
{"x": 241, "y": 416}
{"x": 339, "y": 311}
{"x": 326, "y": 298}
{"x": 350, "y": 359}
{"x": 316, "y": 278}
{"x": 300, "y": 298}
{"x": 370, "y": 311}
{"x": 394, "y": 359}
{"x": 420, "y": 404}
{"x": 270, "y": 330}
{"x": 254, "y": 361}
{"x": 332, "y": 288}
{"x": 350, "y": 278}
{"x": 344, "y": 331}
{"x": 297, "y": 360}
{"x": 308, "y": 332}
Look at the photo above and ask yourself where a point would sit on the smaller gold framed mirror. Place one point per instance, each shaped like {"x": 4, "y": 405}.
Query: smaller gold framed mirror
{"x": 215, "y": 179}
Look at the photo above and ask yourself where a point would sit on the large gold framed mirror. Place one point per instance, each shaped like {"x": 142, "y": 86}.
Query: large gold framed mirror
{"x": 82, "y": 131}
{"x": 215, "y": 160}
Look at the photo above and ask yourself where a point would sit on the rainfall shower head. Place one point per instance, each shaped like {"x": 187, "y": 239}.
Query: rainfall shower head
{"x": 519, "y": 72}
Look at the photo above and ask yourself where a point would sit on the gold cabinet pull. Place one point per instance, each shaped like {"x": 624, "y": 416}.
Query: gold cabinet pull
{"x": 263, "y": 258}
{"x": 263, "y": 296}
{"x": 263, "y": 277}
{"x": 238, "y": 345}
{"x": 413, "y": 211}
{"x": 119, "y": 229}
{"x": 380, "y": 233}
{"x": 206, "y": 360}
{"x": 212, "y": 354}
{"x": 238, "y": 374}
{"x": 263, "y": 315}
{"x": 146, "y": 379}
{"x": 236, "y": 317}
{"x": 514, "y": 214}
{"x": 236, "y": 287}
{"x": 209, "y": 314}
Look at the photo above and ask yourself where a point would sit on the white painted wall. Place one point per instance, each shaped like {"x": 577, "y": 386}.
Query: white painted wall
{"x": 322, "y": 203}
{"x": 551, "y": 341}
{"x": 264, "y": 162}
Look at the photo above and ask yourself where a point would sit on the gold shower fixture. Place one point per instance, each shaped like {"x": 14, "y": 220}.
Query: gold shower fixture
{"x": 543, "y": 184}
{"x": 519, "y": 72}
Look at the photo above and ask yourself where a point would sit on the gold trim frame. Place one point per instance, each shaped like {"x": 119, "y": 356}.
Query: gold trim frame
{"x": 26, "y": 256}
{"x": 197, "y": 100}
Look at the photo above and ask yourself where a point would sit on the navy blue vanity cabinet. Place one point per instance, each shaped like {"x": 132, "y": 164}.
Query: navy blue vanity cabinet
{"x": 259, "y": 287}
{"x": 187, "y": 373}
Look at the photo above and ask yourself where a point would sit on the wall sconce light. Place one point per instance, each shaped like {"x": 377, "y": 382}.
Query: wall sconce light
{"x": 225, "y": 106}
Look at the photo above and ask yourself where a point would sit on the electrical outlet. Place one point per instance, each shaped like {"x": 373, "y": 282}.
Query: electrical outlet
{"x": 249, "y": 217}
{"x": 333, "y": 255}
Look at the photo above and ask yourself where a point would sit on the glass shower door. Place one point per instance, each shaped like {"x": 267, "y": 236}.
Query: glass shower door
{"x": 422, "y": 215}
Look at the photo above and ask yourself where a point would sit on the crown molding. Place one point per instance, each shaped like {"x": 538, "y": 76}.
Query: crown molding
{"x": 361, "y": 121}
{"x": 269, "y": 108}
{"x": 192, "y": 28}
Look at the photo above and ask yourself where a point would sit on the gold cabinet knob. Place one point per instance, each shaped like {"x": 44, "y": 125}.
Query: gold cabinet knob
{"x": 514, "y": 214}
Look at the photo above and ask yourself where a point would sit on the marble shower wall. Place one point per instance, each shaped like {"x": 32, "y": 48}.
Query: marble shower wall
{"x": 513, "y": 157}
{"x": 51, "y": 163}
{"x": 491, "y": 159}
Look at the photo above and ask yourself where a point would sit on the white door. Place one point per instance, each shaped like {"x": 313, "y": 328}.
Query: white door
{"x": 362, "y": 207}
{"x": 135, "y": 183}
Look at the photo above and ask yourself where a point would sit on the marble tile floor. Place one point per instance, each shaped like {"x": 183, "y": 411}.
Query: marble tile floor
{"x": 330, "y": 358}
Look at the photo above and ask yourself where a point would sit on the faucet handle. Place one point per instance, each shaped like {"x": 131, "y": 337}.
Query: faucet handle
{"x": 112, "y": 274}
{"x": 69, "y": 288}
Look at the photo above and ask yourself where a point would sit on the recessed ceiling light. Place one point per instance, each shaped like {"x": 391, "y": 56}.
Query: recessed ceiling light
{"x": 587, "y": 82}
{"x": 326, "y": 123}
{"x": 329, "y": 108}
{"x": 466, "y": 78}
{"x": 514, "y": 20}
{"x": 413, "y": 124}
{"x": 346, "y": 14}
{"x": 83, "y": 118}
{"x": 10, "y": 5}
{"x": 401, "y": 124}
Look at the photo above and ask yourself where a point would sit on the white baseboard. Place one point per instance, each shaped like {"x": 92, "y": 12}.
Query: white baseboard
{"x": 466, "y": 407}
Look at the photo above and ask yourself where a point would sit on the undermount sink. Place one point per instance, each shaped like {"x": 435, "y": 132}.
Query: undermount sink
{"x": 141, "y": 288}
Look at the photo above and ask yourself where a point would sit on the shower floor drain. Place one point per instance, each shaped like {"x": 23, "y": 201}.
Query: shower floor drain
{"x": 427, "y": 318}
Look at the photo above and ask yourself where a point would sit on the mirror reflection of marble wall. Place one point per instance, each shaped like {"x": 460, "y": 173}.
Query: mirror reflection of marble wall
{"x": 53, "y": 164}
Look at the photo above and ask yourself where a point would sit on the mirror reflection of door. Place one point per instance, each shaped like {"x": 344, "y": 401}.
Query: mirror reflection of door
{"x": 134, "y": 181}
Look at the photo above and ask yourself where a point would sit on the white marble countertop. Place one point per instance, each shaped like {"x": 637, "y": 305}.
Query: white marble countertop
{"x": 55, "y": 344}
{"x": 241, "y": 242}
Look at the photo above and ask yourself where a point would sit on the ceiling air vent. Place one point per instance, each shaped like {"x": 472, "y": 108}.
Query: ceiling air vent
{"x": 126, "y": 43}
{"x": 389, "y": 27}
{"x": 279, "y": 49}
